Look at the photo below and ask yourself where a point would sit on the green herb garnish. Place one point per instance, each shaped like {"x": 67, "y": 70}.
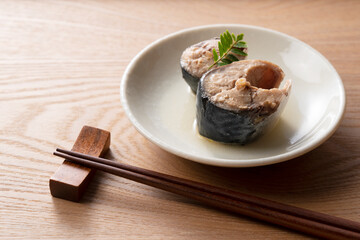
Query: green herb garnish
{"x": 229, "y": 43}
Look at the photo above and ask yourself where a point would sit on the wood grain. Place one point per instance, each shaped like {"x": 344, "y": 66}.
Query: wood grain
{"x": 61, "y": 64}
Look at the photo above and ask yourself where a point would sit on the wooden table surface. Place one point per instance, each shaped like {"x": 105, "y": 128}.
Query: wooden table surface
{"x": 61, "y": 64}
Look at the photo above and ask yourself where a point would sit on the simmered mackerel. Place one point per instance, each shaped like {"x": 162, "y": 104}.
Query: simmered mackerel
{"x": 238, "y": 102}
{"x": 197, "y": 59}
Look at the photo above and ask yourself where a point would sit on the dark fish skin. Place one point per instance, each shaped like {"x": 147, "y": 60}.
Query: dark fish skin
{"x": 191, "y": 80}
{"x": 232, "y": 127}
{"x": 222, "y": 125}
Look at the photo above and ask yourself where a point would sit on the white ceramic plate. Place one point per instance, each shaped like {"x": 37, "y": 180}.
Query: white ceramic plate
{"x": 160, "y": 105}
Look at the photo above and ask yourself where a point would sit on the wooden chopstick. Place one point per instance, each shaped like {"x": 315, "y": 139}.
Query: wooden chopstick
{"x": 315, "y": 216}
{"x": 299, "y": 219}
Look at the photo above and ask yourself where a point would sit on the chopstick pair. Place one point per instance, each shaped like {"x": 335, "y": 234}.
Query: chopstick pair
{"x": 295, "y": 218}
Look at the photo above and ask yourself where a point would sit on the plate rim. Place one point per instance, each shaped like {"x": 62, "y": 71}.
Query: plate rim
{"x": 223, "y": 162}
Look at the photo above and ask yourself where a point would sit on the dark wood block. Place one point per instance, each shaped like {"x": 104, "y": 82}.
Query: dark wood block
{"x": 71, "y": 180}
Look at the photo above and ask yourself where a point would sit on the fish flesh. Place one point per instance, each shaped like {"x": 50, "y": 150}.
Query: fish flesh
{"x": 197, "y": 59}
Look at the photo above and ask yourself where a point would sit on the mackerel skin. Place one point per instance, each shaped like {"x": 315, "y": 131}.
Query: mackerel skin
{"x": 191, "y": 80}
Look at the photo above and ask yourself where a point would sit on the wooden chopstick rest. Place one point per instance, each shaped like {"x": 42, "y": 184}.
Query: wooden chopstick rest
{"x": 71, "y": 180}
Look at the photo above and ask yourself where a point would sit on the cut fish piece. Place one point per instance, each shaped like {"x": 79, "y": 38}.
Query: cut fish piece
{"x": 197, "y": 59}
{"x": 237, "y": 103}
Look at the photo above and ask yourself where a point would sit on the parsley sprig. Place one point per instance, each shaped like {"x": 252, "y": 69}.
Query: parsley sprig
{"x": 229, "y": 43}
